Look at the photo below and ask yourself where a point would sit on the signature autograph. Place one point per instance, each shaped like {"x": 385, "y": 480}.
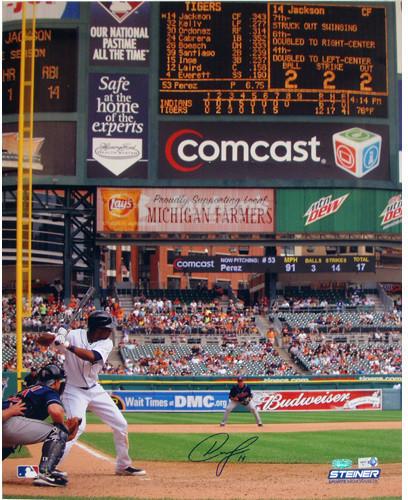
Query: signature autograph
{"x": 211, "y": 447}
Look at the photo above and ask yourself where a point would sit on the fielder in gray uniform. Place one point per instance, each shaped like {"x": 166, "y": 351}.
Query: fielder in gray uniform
{"x": 241, "y": 394}
{"x": 22, "y": 424}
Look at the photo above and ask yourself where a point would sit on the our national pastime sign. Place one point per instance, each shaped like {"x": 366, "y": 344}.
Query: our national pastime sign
{"x": 334, "y": 400}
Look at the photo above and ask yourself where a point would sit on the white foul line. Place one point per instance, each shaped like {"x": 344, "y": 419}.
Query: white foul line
{"x": 102, "y": 457}
{"x": 94, "y": 453}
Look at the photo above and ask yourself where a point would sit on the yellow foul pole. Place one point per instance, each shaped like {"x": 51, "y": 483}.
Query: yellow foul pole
{"x": 24, "y": 184}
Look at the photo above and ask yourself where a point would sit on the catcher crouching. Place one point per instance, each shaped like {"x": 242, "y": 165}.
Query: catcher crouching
{"x": 241, "y": 394}
{"x": 23, "y": 418}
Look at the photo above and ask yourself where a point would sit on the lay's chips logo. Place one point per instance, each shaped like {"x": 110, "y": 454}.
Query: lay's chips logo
{"x": 120, "y": 206}
{"x": 120, "y": 210}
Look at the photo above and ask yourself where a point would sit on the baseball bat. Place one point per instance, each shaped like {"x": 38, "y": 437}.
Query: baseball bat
{"x": 82, "y": 303}
{"x": 48, "y": 337}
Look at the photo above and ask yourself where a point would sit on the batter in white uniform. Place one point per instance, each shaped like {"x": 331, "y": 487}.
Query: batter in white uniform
{"x": 86, "y": 351}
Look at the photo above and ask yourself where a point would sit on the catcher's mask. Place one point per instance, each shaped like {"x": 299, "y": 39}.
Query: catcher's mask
{"x": 50, "y": 374}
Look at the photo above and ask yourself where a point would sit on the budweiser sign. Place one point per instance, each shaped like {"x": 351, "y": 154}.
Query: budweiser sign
{"x": 334, "y": 400}
{"x": 392, "y": 213}
{"x": 323, "y": 208}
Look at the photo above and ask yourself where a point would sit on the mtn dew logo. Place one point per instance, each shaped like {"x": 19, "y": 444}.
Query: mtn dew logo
{"x": 323, "y": 208}
{"x": 392, "y": 213}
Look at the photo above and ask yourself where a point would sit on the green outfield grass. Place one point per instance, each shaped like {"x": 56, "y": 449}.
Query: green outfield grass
{"x": 21, "y": 453}
{"x": 299, "y": 447}
{"x": 246, "y": 417}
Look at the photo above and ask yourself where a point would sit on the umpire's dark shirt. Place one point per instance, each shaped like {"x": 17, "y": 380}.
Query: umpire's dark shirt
{"x": 240, "y": 392}
{"x": 37, "y": 398}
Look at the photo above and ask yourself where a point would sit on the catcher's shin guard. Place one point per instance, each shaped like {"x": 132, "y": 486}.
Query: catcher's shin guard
{"x": 53, "y": 449}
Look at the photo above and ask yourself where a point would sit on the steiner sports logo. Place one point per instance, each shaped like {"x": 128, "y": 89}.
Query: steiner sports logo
{"x": 324, "y": 207}
{"x": 187, "y": 150}
{"x": 353, "y": 475}
{"x": 392, "y": 213}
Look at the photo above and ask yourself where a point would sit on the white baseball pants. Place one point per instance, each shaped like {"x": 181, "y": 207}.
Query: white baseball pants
{"x": 77, "y": 401}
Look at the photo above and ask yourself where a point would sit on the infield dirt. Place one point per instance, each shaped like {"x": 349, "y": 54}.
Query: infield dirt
{"x": 93, "y": 476}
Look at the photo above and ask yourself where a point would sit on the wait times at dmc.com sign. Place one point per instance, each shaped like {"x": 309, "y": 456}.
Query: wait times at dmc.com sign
{"x": 267, "y": 401}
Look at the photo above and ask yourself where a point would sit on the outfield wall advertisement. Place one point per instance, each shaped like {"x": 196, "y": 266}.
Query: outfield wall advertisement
{"x": 185, "y": 210}
{"x": 188, "y": 210}
{"x": 338, "y": 210}
{"x": 266, "y": 401}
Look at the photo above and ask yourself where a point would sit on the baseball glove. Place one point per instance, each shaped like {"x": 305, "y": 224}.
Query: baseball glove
{"x": 45, "y": 339}
{"x": 72, "y": 425}
{"x": 245, "y": 401}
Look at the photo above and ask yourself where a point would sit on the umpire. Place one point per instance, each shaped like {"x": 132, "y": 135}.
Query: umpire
{"x": 23, "y": 417}
{"x": 240, "y": 394}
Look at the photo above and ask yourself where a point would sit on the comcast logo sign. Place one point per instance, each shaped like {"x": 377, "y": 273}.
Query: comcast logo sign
{"x": 357, "y": 151}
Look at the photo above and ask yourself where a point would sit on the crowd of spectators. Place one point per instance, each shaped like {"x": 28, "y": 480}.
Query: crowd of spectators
{"x": 323, "y": 357}
{"x": 227, "y": 359}
{"x": 164, "y": 316}
{"x": 34, "y": 355}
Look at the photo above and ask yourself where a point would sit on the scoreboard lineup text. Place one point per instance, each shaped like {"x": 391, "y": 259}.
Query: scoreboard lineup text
{"x": 255, "y": 58}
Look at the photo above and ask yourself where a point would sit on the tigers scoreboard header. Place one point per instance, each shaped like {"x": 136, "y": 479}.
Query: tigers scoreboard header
{"x": 228, "y": 58}
{"x": 288, "y": 264}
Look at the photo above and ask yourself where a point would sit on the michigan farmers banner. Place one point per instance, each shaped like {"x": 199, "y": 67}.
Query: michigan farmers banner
{"x": 185, "y": 210}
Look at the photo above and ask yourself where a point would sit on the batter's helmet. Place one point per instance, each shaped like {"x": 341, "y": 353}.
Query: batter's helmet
{"x": 49, "y": 374}
{"x": 100, "y": 319}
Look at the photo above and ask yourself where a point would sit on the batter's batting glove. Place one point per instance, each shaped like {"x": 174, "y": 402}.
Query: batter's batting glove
{"x": 61, "y": 343}
{"x": 62, "y": 331}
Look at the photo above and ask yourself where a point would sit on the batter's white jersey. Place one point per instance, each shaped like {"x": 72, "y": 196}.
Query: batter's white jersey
{"x": 82, "y": 373}
{"x": 83, "y": 392}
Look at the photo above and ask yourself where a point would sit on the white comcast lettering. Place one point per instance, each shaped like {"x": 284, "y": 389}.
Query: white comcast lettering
{"x": 190, "y": 150}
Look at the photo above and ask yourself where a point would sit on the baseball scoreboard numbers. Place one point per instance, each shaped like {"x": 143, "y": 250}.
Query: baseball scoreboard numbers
{"x": 229, "y": 58}
{"x": 55, "y": 78}
{"x": 271, "y": 264}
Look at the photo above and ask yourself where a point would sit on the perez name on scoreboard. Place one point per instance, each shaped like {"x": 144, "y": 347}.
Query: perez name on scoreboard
{"x": 259, "y": 58}
{"x": 324, "y": 264}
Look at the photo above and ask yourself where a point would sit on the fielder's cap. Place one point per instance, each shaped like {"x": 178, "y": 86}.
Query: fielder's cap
{"x": 240, "y": 379}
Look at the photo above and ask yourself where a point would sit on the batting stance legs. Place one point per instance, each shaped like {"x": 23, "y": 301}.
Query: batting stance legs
{"x": 77, "y": 401}
{"x": 233, "y": 404}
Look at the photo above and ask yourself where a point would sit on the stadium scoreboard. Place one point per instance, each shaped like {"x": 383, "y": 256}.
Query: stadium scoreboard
{"x": 55, "y": 78}
{"x": 272, "y": 264}
{"x": 229, "y": 58}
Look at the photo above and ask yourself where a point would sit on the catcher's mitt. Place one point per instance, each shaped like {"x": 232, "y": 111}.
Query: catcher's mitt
{"x": 245, "y": 401}
{"x": 72, "y": 425}
{"x": 45, "y": 339}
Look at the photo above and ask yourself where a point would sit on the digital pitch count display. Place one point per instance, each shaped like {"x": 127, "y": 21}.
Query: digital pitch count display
{"x": 229, "y": 58}
{"x": 230, "y": 264}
